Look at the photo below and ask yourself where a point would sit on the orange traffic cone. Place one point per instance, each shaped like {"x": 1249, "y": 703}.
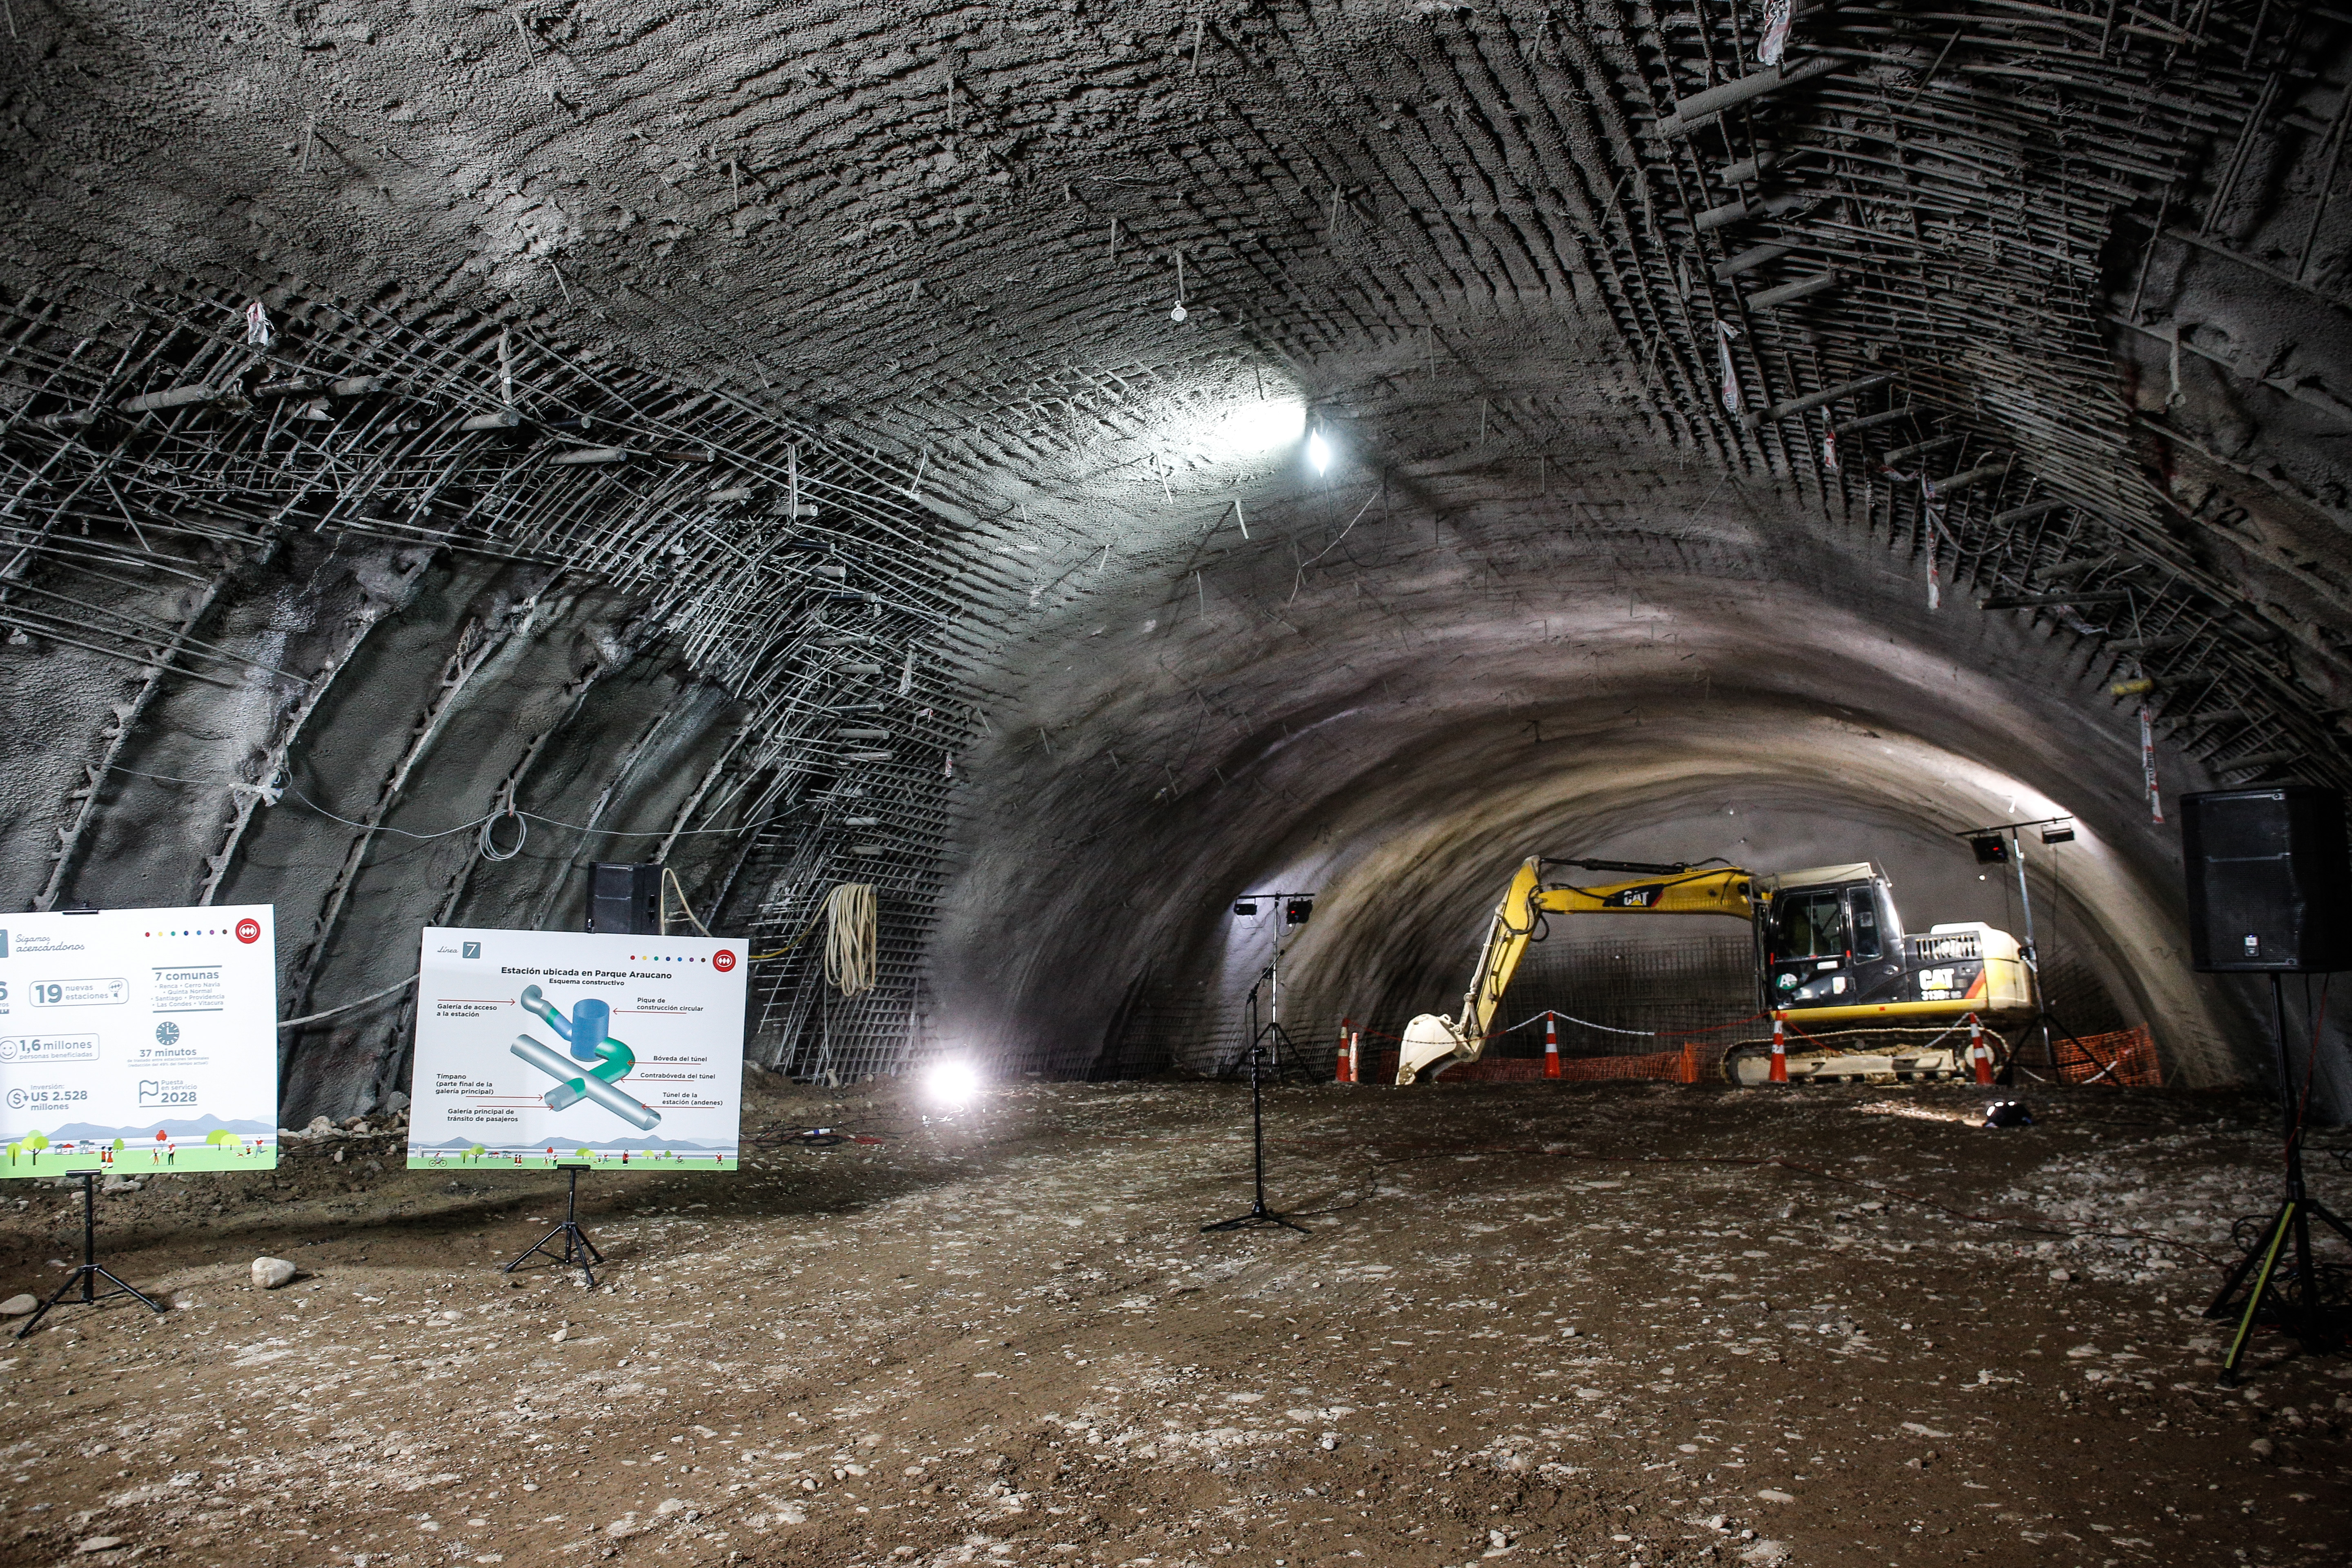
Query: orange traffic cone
{"x": 1779, "y": 1049}
{"x": 1551, "y": 1045}
{"x": 1346, "y": 1072}
{"x": 1979, "y": 1052}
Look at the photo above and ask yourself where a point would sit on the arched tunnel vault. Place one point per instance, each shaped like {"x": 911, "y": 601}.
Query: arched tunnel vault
{"x": 835, "y": 443}
{"x": 1583, "y": 689}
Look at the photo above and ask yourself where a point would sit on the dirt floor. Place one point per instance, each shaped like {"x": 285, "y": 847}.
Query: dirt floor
{"x": 1579, "y": 1324}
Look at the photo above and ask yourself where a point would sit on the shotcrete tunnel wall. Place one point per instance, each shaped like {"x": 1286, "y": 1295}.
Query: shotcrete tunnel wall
{"x": 638, "y": 399}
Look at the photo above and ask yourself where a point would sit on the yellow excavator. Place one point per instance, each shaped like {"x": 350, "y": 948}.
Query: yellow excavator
{"x": 1830, "y": 952}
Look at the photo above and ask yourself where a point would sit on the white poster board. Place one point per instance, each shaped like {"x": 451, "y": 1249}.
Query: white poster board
{"x": 139, "y": 1040}
{"x": 537, "y": 1048}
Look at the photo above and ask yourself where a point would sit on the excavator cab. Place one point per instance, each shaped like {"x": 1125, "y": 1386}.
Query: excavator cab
{"x": 1832, "y": 948}
{"x": 1831, "y": 944}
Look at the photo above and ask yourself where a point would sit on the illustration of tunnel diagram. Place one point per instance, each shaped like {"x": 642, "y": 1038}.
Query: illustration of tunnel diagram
{"x": 605, "y": 1061}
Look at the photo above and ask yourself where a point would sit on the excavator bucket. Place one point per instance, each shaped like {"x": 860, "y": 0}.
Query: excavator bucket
{"x": 1428, "y": 1039}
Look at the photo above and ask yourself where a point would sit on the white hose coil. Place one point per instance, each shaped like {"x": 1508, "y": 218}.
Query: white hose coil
{"x": 853, "y": 937}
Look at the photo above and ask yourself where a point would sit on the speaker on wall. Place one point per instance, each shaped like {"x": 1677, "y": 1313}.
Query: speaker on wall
{"x": 2268, "y": 883}
{"x": 624, "y": 900}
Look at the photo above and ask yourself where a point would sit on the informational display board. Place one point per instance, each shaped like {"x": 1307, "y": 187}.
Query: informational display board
{"x": 538, "y": 1048}
{"x": 138, "y": 1041}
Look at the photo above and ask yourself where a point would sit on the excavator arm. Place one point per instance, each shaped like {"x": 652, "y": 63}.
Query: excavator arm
{"x": 1432, "y": 1040}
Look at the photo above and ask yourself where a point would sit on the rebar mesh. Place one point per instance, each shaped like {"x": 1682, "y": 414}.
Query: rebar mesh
{"x": 145, "y": 441}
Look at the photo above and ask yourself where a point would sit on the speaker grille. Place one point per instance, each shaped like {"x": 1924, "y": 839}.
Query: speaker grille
{"x": 2267, "y": 880}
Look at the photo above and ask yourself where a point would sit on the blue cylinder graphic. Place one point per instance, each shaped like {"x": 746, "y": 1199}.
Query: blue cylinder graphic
{"x": 592, "y": 1020}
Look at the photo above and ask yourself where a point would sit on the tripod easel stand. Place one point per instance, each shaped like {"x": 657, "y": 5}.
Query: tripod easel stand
{"x": 579, "y": 1252}
{"x": 87, "y": 1273}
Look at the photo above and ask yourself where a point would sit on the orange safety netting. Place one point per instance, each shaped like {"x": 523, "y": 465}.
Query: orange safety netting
{"x": 2126, "y": 1057}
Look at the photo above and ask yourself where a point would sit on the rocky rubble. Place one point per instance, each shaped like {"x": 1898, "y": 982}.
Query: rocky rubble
{"x": 1528, "y": 1323}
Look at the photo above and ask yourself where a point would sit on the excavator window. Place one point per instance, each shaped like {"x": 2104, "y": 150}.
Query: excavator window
{"x": 1864, "y": 913}
{"x": 1810, "y": 925}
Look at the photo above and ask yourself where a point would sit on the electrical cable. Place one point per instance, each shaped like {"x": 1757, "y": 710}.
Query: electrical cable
{"x": 671, "y": 884}
{"x": 349, "y": 1006}
{"x": 364, "y": 828}
{"x": 852, "y": 938}
{"x": 466, "y": 826}
{"x": 763, "y": 957}
{"x": 488, "y": 842}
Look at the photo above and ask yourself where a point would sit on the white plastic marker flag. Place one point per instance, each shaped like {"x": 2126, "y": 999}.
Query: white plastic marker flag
{"x": 2147, "y": 763}
{"x": 537, "y": 1048}
{"x": 1724, "y": 332}
{"x": 139, "y": 1040}
{"x": 1778, "y": 16}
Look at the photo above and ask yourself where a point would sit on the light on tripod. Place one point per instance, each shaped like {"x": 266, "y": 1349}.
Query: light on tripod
{"x": 1992, "y": 849}
{"x": 2064, "y": 833}
{"x": 1297, "y": 911}
{"x": 1245, "y": 907}
{"x": 954, "y": 1082}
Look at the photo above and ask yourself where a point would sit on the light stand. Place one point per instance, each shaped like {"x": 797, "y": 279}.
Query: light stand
{"x": 2050, "y": 1025}
{"x": 1259, "y": 1214}
{"x": 578, "y": 1252}
{"x": 2294, "y": 1303}
{"x": 89, "y": 1271}
{"x": 1294, "y": 909}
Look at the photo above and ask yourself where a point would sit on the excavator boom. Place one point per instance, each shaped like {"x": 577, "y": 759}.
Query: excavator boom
{"x": 1677, "y": 890}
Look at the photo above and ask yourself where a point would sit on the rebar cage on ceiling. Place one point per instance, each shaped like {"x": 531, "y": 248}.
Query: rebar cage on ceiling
{"x": 1879, "y": 266}
{"x": 154, "y": 447}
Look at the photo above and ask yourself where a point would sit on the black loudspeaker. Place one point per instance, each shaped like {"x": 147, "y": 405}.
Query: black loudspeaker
{"x": 625, "y": 900}
{"x": 2267, "y": 880}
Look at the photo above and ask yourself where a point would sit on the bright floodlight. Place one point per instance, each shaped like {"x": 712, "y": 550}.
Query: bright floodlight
{"x": 1262, "y": 426}
{"x": 1318, "y": 452}
{"x": 954, "y": 1082}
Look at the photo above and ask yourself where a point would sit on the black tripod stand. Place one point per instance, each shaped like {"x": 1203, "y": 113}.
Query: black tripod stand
{"x": 88, "y": 1272}
{"x": 1287, "y": 1064}
{"x": 2049, "y": 1026}
{"x": 579, "y": 1252}
{"x": 2293, "y": 1302}
{"x": 1259, "y": 1214}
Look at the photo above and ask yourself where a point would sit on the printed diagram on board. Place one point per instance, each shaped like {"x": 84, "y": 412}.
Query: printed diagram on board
{"x": 607, "y": 1060}
{"x": 668, "y": 1088}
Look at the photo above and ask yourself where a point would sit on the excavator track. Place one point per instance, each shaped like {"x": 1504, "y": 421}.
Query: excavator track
{"x": 1751, "y": 1066}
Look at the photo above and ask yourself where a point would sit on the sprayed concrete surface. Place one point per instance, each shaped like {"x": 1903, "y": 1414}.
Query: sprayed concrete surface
{"x": 1581, "y": 1325}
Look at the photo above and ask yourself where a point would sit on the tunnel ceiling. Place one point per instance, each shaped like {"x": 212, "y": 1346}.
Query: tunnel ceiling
{"x": 769, "y": 432}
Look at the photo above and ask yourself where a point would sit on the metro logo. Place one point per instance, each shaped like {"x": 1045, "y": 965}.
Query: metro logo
{"x": 723, "y": 960}
{"x": 249, "y": 931}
